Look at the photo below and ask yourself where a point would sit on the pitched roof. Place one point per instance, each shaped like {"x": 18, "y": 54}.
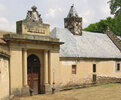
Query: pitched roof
{"x": 89, "y": 45}
{"x": 2, "y": 41}
{"x": 72, "y": 12}
{"x": 2, "y": 32}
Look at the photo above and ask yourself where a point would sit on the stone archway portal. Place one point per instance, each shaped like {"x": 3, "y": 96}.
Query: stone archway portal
{"x": 33, "y": 73}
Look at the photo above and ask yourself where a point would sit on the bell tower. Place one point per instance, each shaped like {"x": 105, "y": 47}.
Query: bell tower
{"x": 73, "y": 22}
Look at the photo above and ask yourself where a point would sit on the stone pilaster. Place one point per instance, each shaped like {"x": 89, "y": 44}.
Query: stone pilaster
{"x": 25, "y": 89}
{"x": 45, "y": 67}
{"x": 47, "y": 86}
{"x": 49, "y": 68}
{"x": 24, "y": 55}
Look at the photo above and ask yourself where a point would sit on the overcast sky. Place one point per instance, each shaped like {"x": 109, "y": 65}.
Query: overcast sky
{"x": 52, "y": 11}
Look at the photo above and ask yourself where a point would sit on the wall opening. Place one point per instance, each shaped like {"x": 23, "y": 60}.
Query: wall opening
{"x": 73, "y": 69}
{"x": 94, "y": 67}
{"x": 33, "y": 73}
{"x": 118, "y": 67}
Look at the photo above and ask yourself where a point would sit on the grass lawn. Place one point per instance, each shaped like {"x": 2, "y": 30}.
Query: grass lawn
{"x": 103, "y": 92}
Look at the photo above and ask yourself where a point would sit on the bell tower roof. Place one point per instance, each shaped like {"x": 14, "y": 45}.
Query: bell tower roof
{"x": 72, "y": 12}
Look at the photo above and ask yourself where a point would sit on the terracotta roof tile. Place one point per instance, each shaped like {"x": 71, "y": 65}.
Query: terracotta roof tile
{"x": 2, "y": 41}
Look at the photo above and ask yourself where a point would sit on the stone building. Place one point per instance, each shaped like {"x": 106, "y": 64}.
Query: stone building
{"x": 36, "y": 60}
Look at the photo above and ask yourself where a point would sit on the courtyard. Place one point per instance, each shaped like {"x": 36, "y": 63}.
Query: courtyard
{"x": 110, "y": 91}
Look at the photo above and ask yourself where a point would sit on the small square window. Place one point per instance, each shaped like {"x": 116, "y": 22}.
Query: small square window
{"x": 118, "y": 67}
{"x": 73, "y": 69}
{"x": 94, "y": 67}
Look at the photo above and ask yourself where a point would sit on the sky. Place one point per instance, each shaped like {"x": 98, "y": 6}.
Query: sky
{"x": 52, "y": 12}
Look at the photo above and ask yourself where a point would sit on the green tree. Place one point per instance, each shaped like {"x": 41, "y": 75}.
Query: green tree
{"x": 115, "y": 7}
{"x": 100, "y": 26}
{"x": 113, "y": 23}
{"x": 117, "y": 25}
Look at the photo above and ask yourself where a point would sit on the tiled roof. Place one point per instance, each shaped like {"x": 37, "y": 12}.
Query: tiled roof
{"x": 2, "y": 41}
{"x": 90, "y": 45}
{"x": 3, "y": 33}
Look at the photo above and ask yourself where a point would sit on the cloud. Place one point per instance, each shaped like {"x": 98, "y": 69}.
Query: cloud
{"x": 105, "y": 10}
{"x": 87, "y": 17}
{"x": 54, "y": 17}
{"x": 86, "y": 12}
{"x": 2, "y": 7}
{"x": 3, "y": 20}
{"x": 52, "y": 13}
{"x": 93, "y": 12}
{"x": 6, "y": 25}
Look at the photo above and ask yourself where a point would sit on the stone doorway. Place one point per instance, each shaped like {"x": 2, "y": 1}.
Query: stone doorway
{"x": 33, "y": 73}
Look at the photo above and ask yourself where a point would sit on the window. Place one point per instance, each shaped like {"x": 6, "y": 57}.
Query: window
{"x": 118, "y": 67}
{"x": 73, "y": 69}
{"x": 94, "y": 67}
{"x": 94, "y": 78}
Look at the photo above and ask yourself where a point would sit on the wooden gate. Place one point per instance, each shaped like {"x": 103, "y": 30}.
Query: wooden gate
{"x": 33, "y": 72}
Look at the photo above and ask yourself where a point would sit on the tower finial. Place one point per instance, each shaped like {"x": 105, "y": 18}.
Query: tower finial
{"x": 72, "y": 5}
{"x": 108, "y": 29}
{"x": 34, "y": 8}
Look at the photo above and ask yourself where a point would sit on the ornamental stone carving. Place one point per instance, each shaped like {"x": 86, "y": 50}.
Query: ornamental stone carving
{"x": 34, "y": 15}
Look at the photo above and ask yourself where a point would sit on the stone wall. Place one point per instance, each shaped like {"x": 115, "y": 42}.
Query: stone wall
{"x": 100, "y": 81}
{"x": 83, "y": 72}
{"x": 105, "y": 72}
{"x": 16, "y": 82}
{"x": 103, "y": 80}
{"x": 4, "y": 78}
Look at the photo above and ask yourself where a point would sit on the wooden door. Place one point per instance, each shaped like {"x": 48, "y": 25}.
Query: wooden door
{"x": 33, "y": 65}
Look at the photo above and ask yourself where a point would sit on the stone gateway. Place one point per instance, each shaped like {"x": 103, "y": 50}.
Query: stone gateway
{"x": 34, "y": 60}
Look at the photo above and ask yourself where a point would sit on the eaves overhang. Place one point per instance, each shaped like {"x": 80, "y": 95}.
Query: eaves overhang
{"x": 88, "y": 58}
{"x": 4, "y": 55}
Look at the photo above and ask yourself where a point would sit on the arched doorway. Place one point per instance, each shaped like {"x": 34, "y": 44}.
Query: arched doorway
{"x": 33, "y": 72}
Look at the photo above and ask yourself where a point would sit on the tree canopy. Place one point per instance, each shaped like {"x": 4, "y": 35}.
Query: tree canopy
{"x": 113, "y": 23}
{"x": 115, "y": 7}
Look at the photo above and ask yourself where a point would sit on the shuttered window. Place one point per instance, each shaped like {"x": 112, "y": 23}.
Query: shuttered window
{"x": 73, "y": 69}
